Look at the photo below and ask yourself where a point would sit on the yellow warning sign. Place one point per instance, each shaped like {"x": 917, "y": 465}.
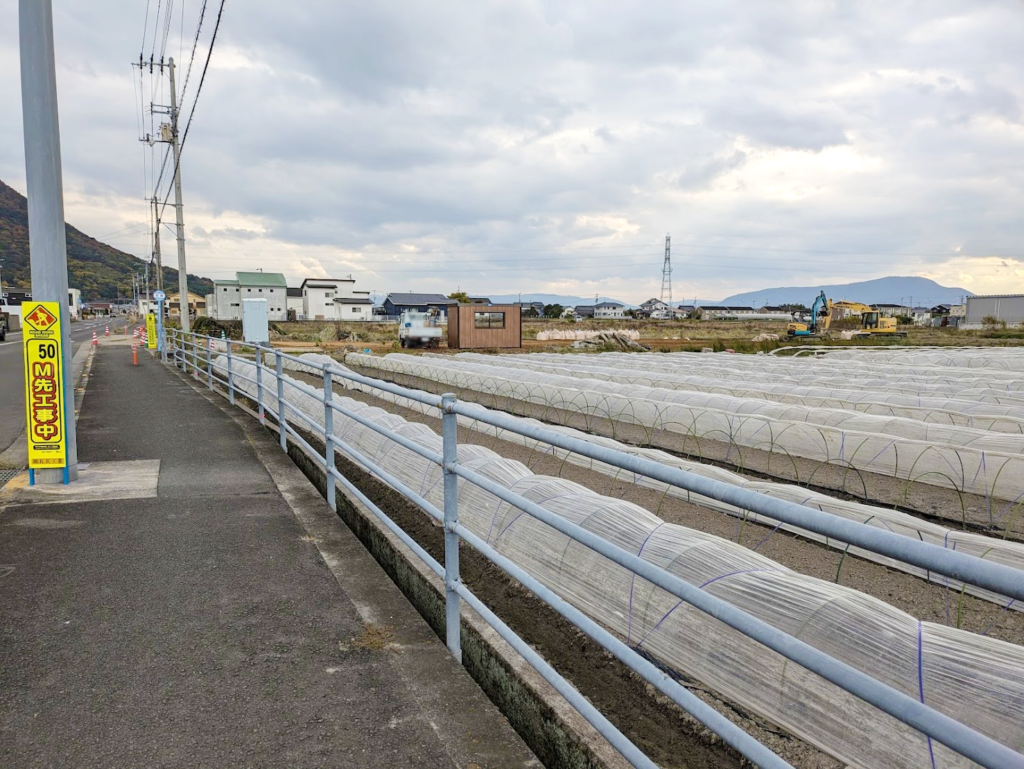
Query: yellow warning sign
{"x": 44, "y": 385}
{"x": 151, "y": 331}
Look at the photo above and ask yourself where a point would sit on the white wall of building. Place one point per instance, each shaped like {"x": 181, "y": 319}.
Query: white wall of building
{"x": 276, "y": 296}
{"x": 616, "y": 311}
{"x": 227, "y": 305}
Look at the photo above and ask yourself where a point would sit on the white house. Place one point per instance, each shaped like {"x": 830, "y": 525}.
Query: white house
{"x": 605, "y": 310}
{"x": 654, "y": 308}
{"x": 334, "y": 299}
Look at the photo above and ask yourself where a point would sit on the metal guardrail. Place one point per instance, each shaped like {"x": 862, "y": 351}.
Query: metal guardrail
{"x": 193, "y": 351}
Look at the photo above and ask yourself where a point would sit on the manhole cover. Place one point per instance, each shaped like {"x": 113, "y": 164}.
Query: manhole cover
{"x": 6, "y": 475}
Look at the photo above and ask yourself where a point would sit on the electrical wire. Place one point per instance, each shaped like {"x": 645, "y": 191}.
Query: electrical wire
{"x": 199, "y": 90}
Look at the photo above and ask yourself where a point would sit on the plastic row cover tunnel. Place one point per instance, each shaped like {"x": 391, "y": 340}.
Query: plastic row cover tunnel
{"x": 975, "y": 679}
{"x": 666, "y": 415}
{"x": 938, "y": 410}
{"x": 994, "y": 549}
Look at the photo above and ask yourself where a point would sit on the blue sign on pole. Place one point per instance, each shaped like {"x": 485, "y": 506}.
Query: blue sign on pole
{"x": 159, "y": 296}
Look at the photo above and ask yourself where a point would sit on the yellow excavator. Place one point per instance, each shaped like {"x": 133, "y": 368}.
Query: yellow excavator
{"x": 873, "y": 323}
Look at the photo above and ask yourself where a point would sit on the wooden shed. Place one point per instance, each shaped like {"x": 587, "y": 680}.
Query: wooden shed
{"x": 478, "y": 325}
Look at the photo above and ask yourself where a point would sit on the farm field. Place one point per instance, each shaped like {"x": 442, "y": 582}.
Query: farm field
{"x": 923, "y": 444}
{"x": 660, "y": 336}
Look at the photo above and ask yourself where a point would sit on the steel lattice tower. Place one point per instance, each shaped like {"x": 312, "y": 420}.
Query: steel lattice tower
{"x": 666, "y": 273}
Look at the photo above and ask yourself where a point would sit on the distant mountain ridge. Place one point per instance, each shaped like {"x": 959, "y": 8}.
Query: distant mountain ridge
{"x": 94, "y": 267}
{"x": 908, "y": 290}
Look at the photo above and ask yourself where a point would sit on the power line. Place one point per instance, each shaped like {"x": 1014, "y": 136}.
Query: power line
{"x": 199, "y": 90}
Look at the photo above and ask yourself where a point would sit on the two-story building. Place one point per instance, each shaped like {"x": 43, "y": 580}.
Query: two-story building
{"x": 250, "y": 285}
{"x": 607, "y": 310}
{"x": 334, "y": 299}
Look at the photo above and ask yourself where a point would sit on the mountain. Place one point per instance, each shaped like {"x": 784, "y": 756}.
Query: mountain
{"x": 95, "y": 268}
{"x": 892, "y": 290}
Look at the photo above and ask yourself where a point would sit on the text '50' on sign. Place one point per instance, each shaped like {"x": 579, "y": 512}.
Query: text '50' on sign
{"x": 44, "y": 385}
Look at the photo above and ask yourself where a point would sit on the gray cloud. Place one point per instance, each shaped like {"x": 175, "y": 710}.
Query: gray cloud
{"x": 765, "y": 138}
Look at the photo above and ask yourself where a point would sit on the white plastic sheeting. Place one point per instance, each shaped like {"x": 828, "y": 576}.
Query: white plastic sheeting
{"x": 943, "y": 411}
{"x": 975, "y": 679}
{"x": 992, "y": 549}
{"x": 974, "y": 461}
{"x": 994, "y": 358}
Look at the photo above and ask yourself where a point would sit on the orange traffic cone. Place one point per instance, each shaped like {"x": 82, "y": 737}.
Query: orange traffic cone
{"x": 95, "y": 341}
{"x": 107, "y": 332}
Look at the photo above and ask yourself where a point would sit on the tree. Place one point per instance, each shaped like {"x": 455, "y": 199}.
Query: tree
{"x": 553, "y": 310}
{"x": 461, "y": 296}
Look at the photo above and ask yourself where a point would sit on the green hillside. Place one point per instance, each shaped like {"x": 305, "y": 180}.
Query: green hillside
{"x": 95, "y": 268}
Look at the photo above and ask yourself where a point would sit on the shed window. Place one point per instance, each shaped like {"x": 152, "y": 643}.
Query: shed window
{"x": 488, "y": 320}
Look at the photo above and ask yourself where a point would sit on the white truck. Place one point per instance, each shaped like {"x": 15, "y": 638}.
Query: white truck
{"x": 417, "y": 328}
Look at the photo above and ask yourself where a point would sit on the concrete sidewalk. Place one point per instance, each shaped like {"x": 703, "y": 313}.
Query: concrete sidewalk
{"x": 180, "y": 613}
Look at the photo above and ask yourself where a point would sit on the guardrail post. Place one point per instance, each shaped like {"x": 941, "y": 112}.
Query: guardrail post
{"x": 450, "y": 456}
{"x": 282, "y": 422}
{"x": 259, "y": 386}
{"x": 329, "y": 438}
{"x": 231, "y": 375}
{"x": 208, "y": 344}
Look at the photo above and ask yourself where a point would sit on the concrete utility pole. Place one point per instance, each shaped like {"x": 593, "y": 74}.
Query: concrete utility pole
{"x": 47, "y": 238}
{"x": 156, "y": 246}
{"x": 186, "y": 323}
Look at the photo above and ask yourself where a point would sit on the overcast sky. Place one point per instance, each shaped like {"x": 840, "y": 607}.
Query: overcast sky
{"x": 550, "y": 146}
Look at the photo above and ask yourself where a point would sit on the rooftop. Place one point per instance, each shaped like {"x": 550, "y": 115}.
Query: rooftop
{"x": 273, "y": 279}
{"x": 419, "y": 299}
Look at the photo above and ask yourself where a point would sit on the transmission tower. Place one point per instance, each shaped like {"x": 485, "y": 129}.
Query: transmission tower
{"x": 666, "y": 273}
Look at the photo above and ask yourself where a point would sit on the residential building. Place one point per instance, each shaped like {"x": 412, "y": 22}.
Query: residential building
{"x": 569, "y": 312}
{"x": 396, "y": 304}
{"x": 295, "y": 311}
{"x": 894, "y": 310}
{"x": 583, "y": 311}
{"x": 334, "y": 299}
{"x": 196, "y": 305}
{"x": 652, "y": 306}
{"x": 608, "y": 310}
{"x": 532, "y": 309}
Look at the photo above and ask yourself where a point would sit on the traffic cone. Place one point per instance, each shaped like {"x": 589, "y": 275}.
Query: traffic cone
{"x": 107, "y": 331}
{"x": 95, "y": 341}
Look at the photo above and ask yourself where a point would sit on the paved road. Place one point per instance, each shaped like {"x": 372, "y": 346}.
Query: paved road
{"x": 12, "y": 388}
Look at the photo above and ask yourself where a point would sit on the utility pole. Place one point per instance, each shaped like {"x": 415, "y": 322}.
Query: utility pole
{"x": 47, "y": 236}
{"x": 186, "y": 323}
{"x": 156, "y": 247}
{"x": 666, "y": 273}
